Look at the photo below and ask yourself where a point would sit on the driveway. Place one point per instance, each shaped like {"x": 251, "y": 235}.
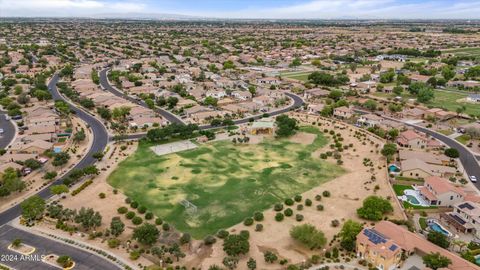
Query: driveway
{"x": 83, "y": 260}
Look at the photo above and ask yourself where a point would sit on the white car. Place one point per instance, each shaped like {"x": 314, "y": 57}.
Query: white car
{"x": 1, "y": 130}
{"x": 473, "y": 178}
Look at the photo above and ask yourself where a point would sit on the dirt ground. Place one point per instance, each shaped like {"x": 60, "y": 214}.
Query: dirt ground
{"x": 347, "y": 191}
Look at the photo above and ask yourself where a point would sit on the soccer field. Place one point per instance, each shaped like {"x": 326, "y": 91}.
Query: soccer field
{"x": 226, "y": 182}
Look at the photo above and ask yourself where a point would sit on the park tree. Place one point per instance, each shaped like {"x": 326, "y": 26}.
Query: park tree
{"x": 387, "y": 77}
{"x": 348, "y": 234}
{"x": 98, "y": 155}
{"x": 370, "y": 105}
{"x": 448, "y": 73}
{"x": 150, "y": 103}
{"x": 60, "y": 159}
{"x": 452, "y": 153}
{"x": 270, "y": 257}
{"x": 425, "y": 95}
{"x": 32, "y": 163}
{"x": 146, "y": 234}
{"x": 322, "y": 78}
{"x": 79, "y": 136}
{"x": 389, "y": 149}
{"x": 33, "y": 208}
{"x": 286, "y": 126}
{"x": 88, "y": 218}
{"x": 117, "y": 226}
{"x": 296, "y": 62}
{"x": 235, "y": 245}
{"x": 309, "y": 236}
{"x": 374, "y": 207}
{"x": 436, "y": 261}
{"x": 105, "y": 113}
{"x": 59, "y": 189}
{"x": 210, "y": 101}
{"x": 171, "y": 102}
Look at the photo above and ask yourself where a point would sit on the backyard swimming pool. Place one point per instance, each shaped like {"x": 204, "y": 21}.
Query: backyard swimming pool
{"x": 413, "y": 200}
{"x": 433, "y": 225}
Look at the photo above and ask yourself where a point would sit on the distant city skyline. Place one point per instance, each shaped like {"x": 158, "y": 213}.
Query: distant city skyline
{"x": 248, "y": 9}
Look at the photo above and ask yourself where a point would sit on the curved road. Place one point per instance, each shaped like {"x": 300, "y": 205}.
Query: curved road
{"x": 467, "y": 158}
{"x": 297, "y": 102}
{"x": 172, "y": 118}
{"x": 100, "y": 140}
{"x": 8, "y": 131}
{"x": 84, "y": 259}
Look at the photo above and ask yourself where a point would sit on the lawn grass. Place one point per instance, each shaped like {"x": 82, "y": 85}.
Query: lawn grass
{"x": 448, "y": 101}
{"x": 403, "y": 178}
{"x": 423, "y": 223}
{"x": 226, "y": 182}
{"x": 463, "y": 139}
{"x": 297, "y": 75}
{"x": 407, "y": 205}
{"x": 399, "y": 189}
{"x": 446, "y": 132}
{"x": 464, "y": 51}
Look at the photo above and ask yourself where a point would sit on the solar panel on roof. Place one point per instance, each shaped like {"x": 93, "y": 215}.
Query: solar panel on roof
{"x": 393, "y": 247}
{"x": 467, "y": 205}
{"x": 374, "y": 237}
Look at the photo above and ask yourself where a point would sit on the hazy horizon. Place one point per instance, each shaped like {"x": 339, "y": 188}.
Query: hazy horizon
{"x": 246, "y": 9}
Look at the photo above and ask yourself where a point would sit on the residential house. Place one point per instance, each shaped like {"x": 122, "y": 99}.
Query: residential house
{"x": 465, "y": 217}
{"x": 369, "y": 120}
{"x": 440, "y": 192}
{"x": 414, "y": 139}
{"x": 417, "y": 168}
{"x": 382, "y": 241}
{"x": 343, "y": 112}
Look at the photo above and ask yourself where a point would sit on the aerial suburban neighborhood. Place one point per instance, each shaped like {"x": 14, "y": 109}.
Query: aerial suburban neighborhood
{"x": 265, "y": 136}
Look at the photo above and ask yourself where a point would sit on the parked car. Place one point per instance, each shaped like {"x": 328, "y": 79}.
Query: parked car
{"x": 1, "y": 131}
{"x": 473, "y": 178}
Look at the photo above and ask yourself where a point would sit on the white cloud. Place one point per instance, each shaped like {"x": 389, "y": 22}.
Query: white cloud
{"x": 38, "y": 8}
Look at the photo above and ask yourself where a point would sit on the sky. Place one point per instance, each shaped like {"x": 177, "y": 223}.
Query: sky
{"x": 257, "y": 9}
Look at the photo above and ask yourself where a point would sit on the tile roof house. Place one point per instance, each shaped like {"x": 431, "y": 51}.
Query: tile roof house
{"x": 343, "y": 112}
{"x": 414, "y": 139}
{"x": 417, "y": 168}
{"x": 465, "y": 217}
{"x": 385, "y": 234}
{"x": 440, "y": 192}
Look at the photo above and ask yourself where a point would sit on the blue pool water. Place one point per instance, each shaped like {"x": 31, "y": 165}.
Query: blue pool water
{"x": 411, "y": 199}
{"x": 393, "y": 168}
{"x": 434, "y": 226}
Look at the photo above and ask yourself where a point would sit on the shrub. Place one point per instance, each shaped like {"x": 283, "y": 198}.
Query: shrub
{"x": 259, "y": 227}
{"x": 374, "y": 207}
{"x": 186, "y": 238}
{"x": 209, "y": 240}
{"x": 298, "y": 198}
{"x": 298, "y": 217}
{"x": 122, "y": 210}
{"x": 308, "y": 202}
{"x": 326, "y": 193}
{"x": 318, "y": 197}
{"x": 278, "y": 207}
{"x": 289, "y": 202}
{"x": 113, "y": 243}
{"x": 320, "y": 207}
{"x": 309, "y": 236}
{"x": 158, "y": 221}
{"x": 222, "y": 234}
{"x": 137, "y": 220}
{"x": 248, "y": 221}
{"x": 258, "y": 216}
{"x": 134, "y": 255}
{"x": 300, "y": 207}
{"x": 102, "y": 195}
{"x": 134, "y": 204}
{"x": 288, "y": 212}
{"x": 142, "y": 209}
{"x": 245, "y": 234}
{"x": 130, "y": 215}
{"x": 335, "y": 223}
{"x": 279, "y": 217}
{"x": 128, "y": 200}
{"x": 148, "y": 215}
{"x": 166, "y": 227}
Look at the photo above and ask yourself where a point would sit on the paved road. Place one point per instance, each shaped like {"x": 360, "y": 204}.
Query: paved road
{"x": 172, "y": 118}
{"x": 44, "y": 246}
{"x": 468, "y": 159}
{"x": 100, "y": 140}
{"x": 8, "y": 131}
{"x": 297, "y": 102}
